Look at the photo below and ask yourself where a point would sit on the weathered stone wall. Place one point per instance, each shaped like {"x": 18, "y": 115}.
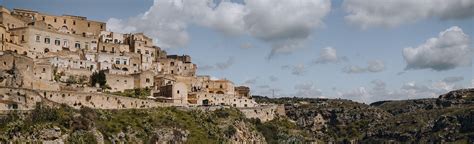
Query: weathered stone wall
{"x": 26, "y": 99}
{"x": 222, "y": 99}
{"x": 10, "y": 21}
{"x": 73, "y": 24}
{"x": 264, "y": 112}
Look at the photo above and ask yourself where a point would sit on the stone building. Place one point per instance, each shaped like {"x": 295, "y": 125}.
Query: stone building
{"x": 77, "y": 25}
{"x": 59, "y": 53}
{"x": 40, "y": 39}
{"x": 10, "y": 21}
{"x": 119, "y": 82}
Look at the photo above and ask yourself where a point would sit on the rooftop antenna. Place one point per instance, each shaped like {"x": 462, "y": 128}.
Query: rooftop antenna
{"x": 273, "y": 93}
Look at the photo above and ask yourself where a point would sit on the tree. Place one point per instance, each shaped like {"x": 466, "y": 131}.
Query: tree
{"x": 98, "y": 77}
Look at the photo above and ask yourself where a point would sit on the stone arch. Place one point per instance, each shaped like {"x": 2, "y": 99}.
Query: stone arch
{"x": 219, "y": 92}
{"x": 46, "y": 50}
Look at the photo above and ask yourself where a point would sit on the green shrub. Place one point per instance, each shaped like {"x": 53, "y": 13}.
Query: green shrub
{"x": 81, "y": 137}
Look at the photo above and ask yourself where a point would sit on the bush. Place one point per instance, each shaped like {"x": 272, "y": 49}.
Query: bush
{"x": 81, "y": 137}
{"x": 98, "y": 77}
{"x": 230, "y": 131}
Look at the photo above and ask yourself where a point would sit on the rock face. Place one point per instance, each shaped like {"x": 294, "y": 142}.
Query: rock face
{"x": 245, "y": 134}
{"x": 458, "y": 94}
{"x": 448, "y": 118}
{"x": 169, "y": 135}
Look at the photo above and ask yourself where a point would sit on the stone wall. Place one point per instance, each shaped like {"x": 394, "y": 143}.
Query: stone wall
{"x": 263, "y": 112}
{"x": 26, "y": 99}
{"x": 201, "y": 98}
{"x": 120, "y": 82}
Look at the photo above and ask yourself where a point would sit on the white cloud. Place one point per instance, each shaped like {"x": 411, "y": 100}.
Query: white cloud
{"x": 328, "y": 55}
{"x": 219, "y": 65}
{"x": 373, "y": 66}
{"x": 298, "y": 70}
{"x": 307, "y": 90}
{"x": 453, "y": 79}
{"x": 250, "y": 81}
{"x": 409, "y": 90}
{"x": 449, "y": 50}
{"x": 391, "y": 13}
{"x": 283, "y": 24}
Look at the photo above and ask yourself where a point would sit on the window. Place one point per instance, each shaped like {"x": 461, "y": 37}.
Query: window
{"x": 77, "y": 45}
{"x": 55, "y": 20}
{"x": 117, "y": 62}
{"x": 64, "y": 21}
{"x": 147, "y": 80}
{"x": 172, "y": 63}
{"x": 38, "y": 38}
{"x": 87, "y": 45}
{"x": 46, "y": 40}
{"x": 73, "y": 22}
{"x": 22, "y": 37}
{"x": 177, "y": 91}
{"x": 65, "y": 43}
{"x": 57, "y": 42}
{"x": 147, "y": 52}
{"x": 44, "y": 70}
{"x": 43, "y": 18}
{"x": 88, "y": 24}
{"x": 101, "y": 26}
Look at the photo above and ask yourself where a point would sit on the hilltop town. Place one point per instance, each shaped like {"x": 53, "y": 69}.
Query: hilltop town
{"x": 75, "y": 61}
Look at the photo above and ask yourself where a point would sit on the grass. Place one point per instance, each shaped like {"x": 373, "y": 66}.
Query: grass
{"x": 137, "y": 124}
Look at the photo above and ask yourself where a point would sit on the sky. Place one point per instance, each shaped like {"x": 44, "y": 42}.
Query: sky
{"x": 363, "y": 50}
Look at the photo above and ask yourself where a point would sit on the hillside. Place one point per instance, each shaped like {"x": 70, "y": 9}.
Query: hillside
{"x": 449, "y": 118}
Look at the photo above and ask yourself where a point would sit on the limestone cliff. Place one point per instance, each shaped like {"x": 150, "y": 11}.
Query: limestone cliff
{"x": 449, "y": 118}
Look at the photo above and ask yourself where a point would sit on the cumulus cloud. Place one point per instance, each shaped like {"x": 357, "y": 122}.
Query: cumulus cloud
{"x": 410, "y": 90}
{"x": 250, "y": 81}
{"x": 307, "y": 90}
{"x": 391, "y": 13}
{"x": 298, "y": 70}
{"x": 449, "y": 50}
{"x": 453, "y": 79}
{"x": 328, "y": 55}
{"x": 218, "y": 66}
{"x": 373, "y": 66}
{"x": 283, "y": 24}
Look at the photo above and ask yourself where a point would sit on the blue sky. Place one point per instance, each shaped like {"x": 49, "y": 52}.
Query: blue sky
{"x": 273, "y": 45}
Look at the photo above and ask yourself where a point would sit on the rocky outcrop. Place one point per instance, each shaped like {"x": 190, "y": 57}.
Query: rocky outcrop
{"x": 458, "y": 94}
{"x": 243, "y": 133}
{"x": 169, "y": 135}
